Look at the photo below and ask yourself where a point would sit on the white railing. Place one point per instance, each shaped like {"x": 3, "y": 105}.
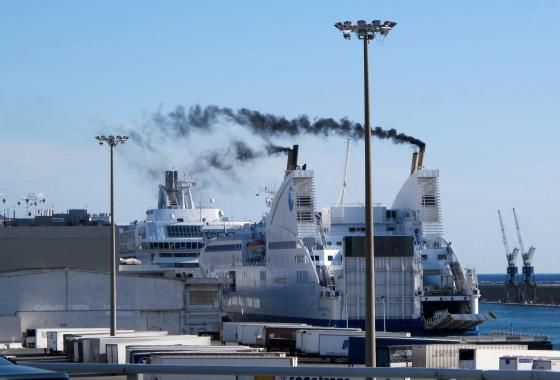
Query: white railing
{"x": 136, "y": 371}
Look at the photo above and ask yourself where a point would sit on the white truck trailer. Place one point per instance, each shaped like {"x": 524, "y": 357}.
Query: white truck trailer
{"x": 248, "y": 331}
{"x": 143, "y": 354}
{"x": 254, "y": 333}
{"x": 331, "y": 342}
{"x": 87, "y": 346}
{"x": 98, "y": 347}
{"x": 55, "y": 338}
{"x": 38, "y": 338}
{"x": 116, "y": 352}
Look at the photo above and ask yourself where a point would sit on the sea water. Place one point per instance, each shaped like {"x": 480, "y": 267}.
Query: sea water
{"x": 523, "y": 320}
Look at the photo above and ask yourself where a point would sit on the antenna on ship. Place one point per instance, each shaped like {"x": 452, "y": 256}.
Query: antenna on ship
{"x": 340, "y": 200}
{"x": 344, "y": 189}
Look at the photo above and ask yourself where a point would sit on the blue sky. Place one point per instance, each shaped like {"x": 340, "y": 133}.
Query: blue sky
{"x": 478, "y": 81}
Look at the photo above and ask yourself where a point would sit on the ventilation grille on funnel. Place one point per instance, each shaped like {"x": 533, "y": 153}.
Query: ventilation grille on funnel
{"x": 430, "y": 205}
{"x": 304, "y": 202}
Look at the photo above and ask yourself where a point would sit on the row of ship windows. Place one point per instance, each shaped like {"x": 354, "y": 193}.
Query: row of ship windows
{"x": 300, "y": 259}
{"x": 224, "y": 247}
{"x": 183, "y": 231}
{"x": 178, "y": 265}
{"x": 178, "y": 254}
{"x": 175, "y": 245}
{"x": 193, "y": 232}
{"x": 335, "y": 243}
{"x": 363, "y": 229}
{"x": 439, "y": 257}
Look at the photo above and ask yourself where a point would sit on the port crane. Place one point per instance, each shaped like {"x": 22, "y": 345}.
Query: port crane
{"x": 511, "y": 256}
{"x": 527, "y": 256}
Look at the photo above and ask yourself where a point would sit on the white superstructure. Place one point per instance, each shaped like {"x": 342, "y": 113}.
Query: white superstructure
{"x": 173, "y": 234}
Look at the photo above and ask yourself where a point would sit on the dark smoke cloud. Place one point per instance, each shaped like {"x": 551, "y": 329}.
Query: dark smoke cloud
{"x": 182, "y": 122}
{"x": 239, "y": 151}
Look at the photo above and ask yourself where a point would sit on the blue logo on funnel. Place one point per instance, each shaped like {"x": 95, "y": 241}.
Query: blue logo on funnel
{"x": 291, "y": 198}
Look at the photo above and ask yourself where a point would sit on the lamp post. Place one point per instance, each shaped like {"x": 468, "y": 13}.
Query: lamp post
{"x": 366, "y": 32}
{"x": 3, "y": 206}
{"x": 384, "y": 300}
{"x": 112, "y": 141}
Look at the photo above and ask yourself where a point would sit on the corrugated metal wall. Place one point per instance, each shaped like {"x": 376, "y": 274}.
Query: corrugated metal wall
{"x": 395, "y": 278}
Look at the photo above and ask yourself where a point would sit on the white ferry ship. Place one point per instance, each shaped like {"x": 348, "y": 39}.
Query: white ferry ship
{"x": 174, "y": 233}
{"x": 301, "y": 265}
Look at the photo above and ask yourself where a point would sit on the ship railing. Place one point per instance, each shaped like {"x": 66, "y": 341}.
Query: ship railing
{"x": 137, "y": 371}
{"x": 443, "y": 292}
{"x": 512, "y": 333}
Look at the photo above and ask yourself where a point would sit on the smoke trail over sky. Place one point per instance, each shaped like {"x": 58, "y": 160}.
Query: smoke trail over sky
{"x": 181, "y": 123}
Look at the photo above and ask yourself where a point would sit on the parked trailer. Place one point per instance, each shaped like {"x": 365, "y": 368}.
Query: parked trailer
{"x": 116, "y": 352}
{"x": 283, "y": 338}
{"x": 37, "y": 338}
{"x": 275, "y": 359}
{"x": 83, "y": 344}
{"x": 55, "y": 338}
{"x": 308, "y": 341}
{"x": 254, "y": 334}
{"x": 230, "y": 332}
{"x": 490, "y": 359}
{"x": 69, "y": 340}
{"x": 142, "y": 355}
{"x": 98, "y": 347}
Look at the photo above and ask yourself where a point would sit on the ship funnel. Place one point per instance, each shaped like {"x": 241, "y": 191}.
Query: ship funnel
{"x": 420, "y": 161}
{"x": 171, "y": 179}
{"x": 414, "y": 161}
{"x": 292, "y": 158}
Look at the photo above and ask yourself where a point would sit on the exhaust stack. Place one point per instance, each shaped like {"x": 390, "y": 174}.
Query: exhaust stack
{"x": 414, "y": 162}
{"x": 420, "y": 161}
{"x": 292, "y": 158}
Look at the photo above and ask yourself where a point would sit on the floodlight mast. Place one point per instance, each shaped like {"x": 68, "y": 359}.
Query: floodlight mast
{"x": 366, "y": 32}
{"x": 112, "y": 141}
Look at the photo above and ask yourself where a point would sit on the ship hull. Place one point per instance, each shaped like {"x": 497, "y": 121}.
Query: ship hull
{"x": 413, "y": 326}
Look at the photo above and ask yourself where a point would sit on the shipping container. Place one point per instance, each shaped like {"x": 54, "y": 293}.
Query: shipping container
{"x": 528, "y": 362}
{"x": 468, "y": 356}
{"x": 516, "y": 363}
{"x": 546, "y": 364}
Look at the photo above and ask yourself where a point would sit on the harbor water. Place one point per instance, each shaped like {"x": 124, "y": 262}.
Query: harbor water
{"x": 539, "y": 277}
{"x": 523, "y": 320}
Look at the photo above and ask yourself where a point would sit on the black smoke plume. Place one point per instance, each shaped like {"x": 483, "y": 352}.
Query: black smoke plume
{"x": 181, "y": 123}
